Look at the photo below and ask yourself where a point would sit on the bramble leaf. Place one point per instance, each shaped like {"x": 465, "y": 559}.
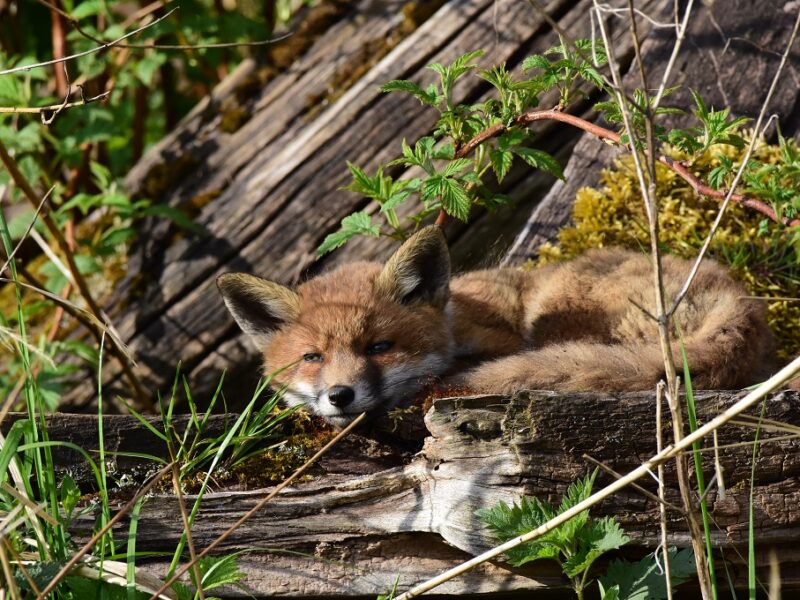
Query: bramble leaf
{"x": 359, "y": 223}
{"x": 540, "y": 160}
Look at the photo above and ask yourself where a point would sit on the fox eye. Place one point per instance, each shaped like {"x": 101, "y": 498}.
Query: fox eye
{"x": 379, "y": 348}
{"x": 312, "y": 357}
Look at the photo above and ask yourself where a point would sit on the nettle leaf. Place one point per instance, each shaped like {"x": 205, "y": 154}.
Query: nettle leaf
{"x": 594, "y": 539}
{"x": 512, "y": 137}
{"x": 540, "y": 160}
{"x": 501, "y": 162}
{"x": 359, "y": 223}
{"x": 644, "y": 580}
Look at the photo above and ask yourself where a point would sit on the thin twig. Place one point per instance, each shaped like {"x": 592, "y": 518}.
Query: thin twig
{"x": 260, "y": 504}
{"x": 96, "y": 40}
{"x": 99, "y": 48}
{"x": 176, "y": 485}
{"x": 51, "y": 107}
{"x": 90, "y": 544}
{"x": 661, "y": 501}
{"x": 701, "y": 188}
{"x": 663, "y": 513}
{"x": 668, "y": 453}
{"x": 27, "y": 231}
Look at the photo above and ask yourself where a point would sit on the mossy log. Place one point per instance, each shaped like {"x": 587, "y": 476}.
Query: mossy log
{"x": 364, "y": 519}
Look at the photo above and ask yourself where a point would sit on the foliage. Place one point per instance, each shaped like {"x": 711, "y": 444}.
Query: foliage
{"x": 446, "y": 172}
{"x": 86, "y": 150}
{"x": 577, "y": 543}
{"x": 449, "y": 180}
{"x": 761, "y": 255}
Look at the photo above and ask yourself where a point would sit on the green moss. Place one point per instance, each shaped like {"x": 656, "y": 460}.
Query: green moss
{"x": 613, "y": 215}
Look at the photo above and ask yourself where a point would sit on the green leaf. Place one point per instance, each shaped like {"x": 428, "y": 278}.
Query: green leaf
{"x": 86, "y": 264}
{"x": 501, "y": 162}
{"x": 455, "y": 199}
{"x": 69, "y": 495}
{"x": 147, "y": 67}
{"x": 88, "y": 8}
{"x": 216, "y": 571}
{"x": 611, "y": 593}
{"x": 428, "y": 96}
{"x": 457, "y": 166}
{"x": 594, "y": 540}
{"x": 540, "y": 160}
{"x": 359, "y": 223}
{"x": 644, "y": 580}
{"x": 537, "y": 61}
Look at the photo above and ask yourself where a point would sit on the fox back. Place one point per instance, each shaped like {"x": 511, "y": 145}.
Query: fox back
{"x": 366, "y": 337}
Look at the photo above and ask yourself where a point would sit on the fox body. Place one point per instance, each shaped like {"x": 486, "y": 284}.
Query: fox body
{"x": 366, "y": 336}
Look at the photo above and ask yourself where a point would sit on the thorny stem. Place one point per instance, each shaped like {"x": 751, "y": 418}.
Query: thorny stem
{"x": 613, "y": 137}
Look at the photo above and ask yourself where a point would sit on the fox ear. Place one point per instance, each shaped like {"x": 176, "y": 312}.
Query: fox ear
{"x": 419, "y": 270}
{"x": 258, "y": 306}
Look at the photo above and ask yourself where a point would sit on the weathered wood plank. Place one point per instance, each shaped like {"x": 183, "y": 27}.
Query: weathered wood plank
{"x": 481, "y": 450}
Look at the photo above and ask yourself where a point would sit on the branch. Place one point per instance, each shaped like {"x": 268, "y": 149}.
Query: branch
{"x": 100, "y": 48}
{"x": 613, "y": 137}
{"x": 701, "y": 188}
{"x": 51, "y": 107}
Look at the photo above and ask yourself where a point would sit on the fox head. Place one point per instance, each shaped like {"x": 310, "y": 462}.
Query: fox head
{"x": 362, "y": 337}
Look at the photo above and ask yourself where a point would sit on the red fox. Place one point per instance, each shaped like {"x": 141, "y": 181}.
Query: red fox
{"x": 366, "y": 336}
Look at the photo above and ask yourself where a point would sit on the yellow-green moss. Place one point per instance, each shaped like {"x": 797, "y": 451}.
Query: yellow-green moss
{"x": 613, "y": 215}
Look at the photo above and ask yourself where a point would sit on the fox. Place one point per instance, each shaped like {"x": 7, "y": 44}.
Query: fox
{"x": 369, "y": 337}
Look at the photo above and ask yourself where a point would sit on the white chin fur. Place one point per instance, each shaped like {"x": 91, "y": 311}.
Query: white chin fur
{"x": 398, "y": 384}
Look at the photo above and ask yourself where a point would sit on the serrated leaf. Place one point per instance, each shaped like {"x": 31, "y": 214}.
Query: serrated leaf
{"x": 425, "y": 96}
{"x": 359, "y": 223}
{"x": 644, "y": 580}
{"x": 540, "y": 160}
{"x": 455, "y": 199}
{"x": 501, "y": 163}
{"x": 457, "y": 166}
{"x": 594, "y": 539}
{"x": 537, "y": 61}
{"x": 512, "y": 137}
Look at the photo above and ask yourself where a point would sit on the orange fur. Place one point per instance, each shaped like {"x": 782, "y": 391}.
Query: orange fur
{"x": 366, "y": 337}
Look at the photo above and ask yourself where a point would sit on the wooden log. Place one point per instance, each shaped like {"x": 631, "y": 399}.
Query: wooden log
{"x": 356, "y": 525}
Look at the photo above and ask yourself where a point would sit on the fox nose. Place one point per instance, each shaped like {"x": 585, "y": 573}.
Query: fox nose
{"x": 341, "y": 395}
